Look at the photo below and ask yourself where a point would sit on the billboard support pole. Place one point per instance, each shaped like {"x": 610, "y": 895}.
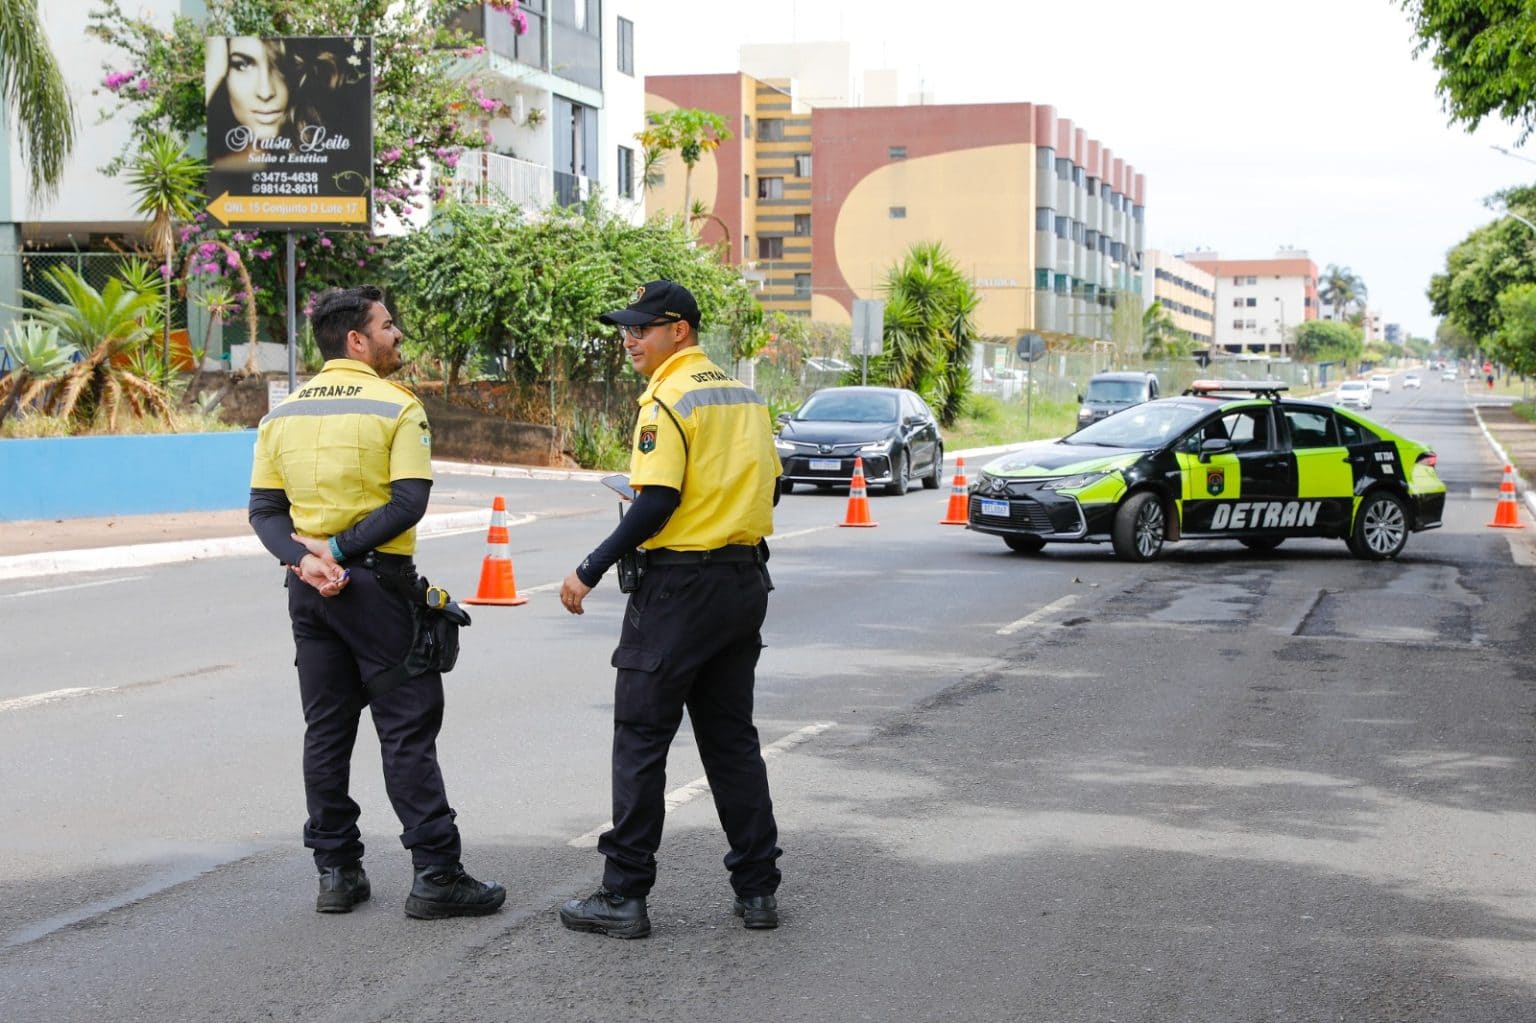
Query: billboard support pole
{"x": 293, "y": 329}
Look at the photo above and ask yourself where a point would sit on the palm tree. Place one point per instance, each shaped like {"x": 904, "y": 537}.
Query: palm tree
{"x": 108, "y": 326}
{"x": 692, "y": 133}
{"x": 33, "y": 95}
{"x": 1160, "y": 336}
{"x": 1341, "y": 289}
{"x": 164, "y": 180}
{"x": 930, "y": 326}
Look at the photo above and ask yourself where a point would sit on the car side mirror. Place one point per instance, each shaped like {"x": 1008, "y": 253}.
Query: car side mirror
{"x": 1079, "y": 399}
{"x": 781, "y": 418}
{"x": 1213, "y": 446}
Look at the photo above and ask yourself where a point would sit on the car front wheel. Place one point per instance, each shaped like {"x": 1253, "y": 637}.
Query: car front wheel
{"x": 899, "y": 466}
{"x": 931, "y": 481}
{"x": 1381, "y": 527}
{"x": 1140, "y": 526}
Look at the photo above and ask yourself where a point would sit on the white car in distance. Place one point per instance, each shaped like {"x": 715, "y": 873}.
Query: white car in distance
{"x": 1381, "y": 382}
{"x": 1353, "y": 394}
{"x": 1412, "y": 380}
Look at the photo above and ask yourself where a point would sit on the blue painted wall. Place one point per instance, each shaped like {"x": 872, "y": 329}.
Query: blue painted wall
{"x": 79, "y": 477}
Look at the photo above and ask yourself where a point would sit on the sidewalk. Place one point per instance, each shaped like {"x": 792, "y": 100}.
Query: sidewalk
{"x": 43, "y": 546}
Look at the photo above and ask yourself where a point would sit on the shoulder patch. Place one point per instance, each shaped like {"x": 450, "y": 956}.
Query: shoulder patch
{"x": 647, "y": 440}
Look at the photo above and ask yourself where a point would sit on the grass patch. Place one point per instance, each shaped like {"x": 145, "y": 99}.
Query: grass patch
{"x": 33, "y": 426}
{"x": 988, "y": 422}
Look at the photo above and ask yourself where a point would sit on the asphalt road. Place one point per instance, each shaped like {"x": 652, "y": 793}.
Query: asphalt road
{"x": 1221, "y": 787}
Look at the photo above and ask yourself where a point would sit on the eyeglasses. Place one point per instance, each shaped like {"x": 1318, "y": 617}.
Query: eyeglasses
{"x": 637, "y": 332}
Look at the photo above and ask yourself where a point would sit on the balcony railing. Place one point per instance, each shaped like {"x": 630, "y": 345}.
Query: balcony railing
{"x": 484, "y": 177}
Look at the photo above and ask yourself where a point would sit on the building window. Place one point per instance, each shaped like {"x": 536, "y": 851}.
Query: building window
{"x": 1252, "y": 302}
{"x": 626, "y": 172}
{"x": 770, "y": 247}
{"x": 770, "y": 129}
{"x": 770, "y": 188}
{"x": 627, "y": 46}
{"x": 1237, "y": 324}
{"x": 1061, "y": 227}
{"x": 1043, "y": 218}
{"x": 1237, "y": 303}
{"x": 802, "y": 285}
{"x": 898, "y": 213}
{"x": 803, "y": 165}
{"x": 802, "y": 224}
{"x": 898, "y": 152}
{"x": 746, "y": 186}
{"x": 1251, "y": 324}
{"x": 1237, "y": 281}
{"x": 746, "y": 246}
{"x": 746, "y": 126}
{"x": 1042, "y": 279}
{"x": 1252, "y": 280}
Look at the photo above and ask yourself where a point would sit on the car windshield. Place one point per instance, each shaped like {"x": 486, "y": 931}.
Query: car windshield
{"x": 1114, "y": 390}
{"x": 849, "y": 408}
{"x": 1142, "y": 426}
{"x": 1352, "y": 385}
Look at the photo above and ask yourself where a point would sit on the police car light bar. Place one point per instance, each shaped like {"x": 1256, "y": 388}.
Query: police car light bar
{"x": 1258, "y": 388}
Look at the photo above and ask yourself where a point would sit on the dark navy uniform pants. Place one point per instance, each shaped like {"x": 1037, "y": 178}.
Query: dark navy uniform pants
{"x": 691, "y": 639}
{"x": 343, "y": 642}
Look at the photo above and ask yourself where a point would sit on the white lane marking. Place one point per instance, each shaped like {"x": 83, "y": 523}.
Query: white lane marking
{"x": 798, "y": 532}
{"x": 37, "y": 699}
{"x": 1060, "y": 604}
{"x": 696, "y": 788}
{"x": 72, "y": 586}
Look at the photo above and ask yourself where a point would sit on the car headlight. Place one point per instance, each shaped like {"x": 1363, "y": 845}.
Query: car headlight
{"x": 879, "y": 447}
{"x": 1078, "y": 482}
{"x": 784, "y": 447}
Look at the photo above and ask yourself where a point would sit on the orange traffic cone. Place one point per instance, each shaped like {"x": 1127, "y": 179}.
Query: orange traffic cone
{"x": 959, "y": 498}
{"x": 496, "y": 583}
{"x": 1507, "y": 515}
{"x": 858, "y": 499}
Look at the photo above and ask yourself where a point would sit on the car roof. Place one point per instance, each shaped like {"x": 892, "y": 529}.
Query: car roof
{"x": 861, "y": 389}
{"x": 1120, "y": 375}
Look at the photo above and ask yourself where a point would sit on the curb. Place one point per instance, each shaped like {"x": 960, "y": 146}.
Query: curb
{"x": 1520, "y": 484}
{"x": 100, "y": 559}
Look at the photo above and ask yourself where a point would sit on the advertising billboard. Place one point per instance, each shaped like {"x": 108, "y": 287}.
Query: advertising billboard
{"x": 290, "y": 131}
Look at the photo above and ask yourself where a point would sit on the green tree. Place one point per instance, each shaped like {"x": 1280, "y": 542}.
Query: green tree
{"x": 689, "y": 133}
{"x": 39, "y": 357}
{"x": 1328, "y": 341}
{"x": 1160, "y": 336}
{"x": 1514, "y": 344}
{"x": 487, "y": 283}
{"x": 33, "y": 95}
{"x": 1490, "y": 259}
{"x": 1482, "y": 50}
{"x": 929, "y": 329}
{"x": 1342, "y": 291}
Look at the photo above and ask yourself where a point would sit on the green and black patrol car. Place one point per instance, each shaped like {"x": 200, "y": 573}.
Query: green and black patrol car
{"x": 1229, "y": 460}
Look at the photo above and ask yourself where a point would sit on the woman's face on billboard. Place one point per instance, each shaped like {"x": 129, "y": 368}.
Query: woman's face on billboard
{"x": 258, "y": 92}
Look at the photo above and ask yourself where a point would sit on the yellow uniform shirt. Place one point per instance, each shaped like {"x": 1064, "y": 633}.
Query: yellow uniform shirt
{"x": 728, "y": 468}
{"x": 336, "y": 445}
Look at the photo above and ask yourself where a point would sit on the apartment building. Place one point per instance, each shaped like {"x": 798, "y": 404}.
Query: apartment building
{"x": 1048, "y": 223}
{"x": 1187, "y": 294}
{"x": 1259, "y": 302}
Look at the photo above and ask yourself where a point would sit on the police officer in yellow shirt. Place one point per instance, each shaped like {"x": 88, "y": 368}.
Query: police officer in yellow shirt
{"x": 706, "y": 473}
{"x": 341, "y": 476}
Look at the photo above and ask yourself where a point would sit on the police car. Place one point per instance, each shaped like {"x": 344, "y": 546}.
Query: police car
{"x": 1231, "y": 460}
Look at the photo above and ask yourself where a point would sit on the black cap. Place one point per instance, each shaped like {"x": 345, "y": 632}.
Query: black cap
{"x": 658, "y": 300}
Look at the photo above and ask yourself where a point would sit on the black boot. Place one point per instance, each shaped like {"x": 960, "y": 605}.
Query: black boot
{"x": 759, "y": 912}
{"x": 603, "y": 911}
{"x": 341, "y": 888}
{"x": 444, "y": 890}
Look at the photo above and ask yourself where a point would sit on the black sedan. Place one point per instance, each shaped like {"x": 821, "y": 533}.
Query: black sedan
{"x": 891, "y": 429}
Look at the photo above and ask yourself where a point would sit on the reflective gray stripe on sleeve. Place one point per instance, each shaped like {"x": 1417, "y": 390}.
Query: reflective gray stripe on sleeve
{"x": 336, "y": 407}
{"x": 716, "y": 396}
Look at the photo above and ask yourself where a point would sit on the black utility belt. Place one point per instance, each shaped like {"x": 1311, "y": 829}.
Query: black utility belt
{"x": 388, "y": 562}
{"x": 751, "y": 554}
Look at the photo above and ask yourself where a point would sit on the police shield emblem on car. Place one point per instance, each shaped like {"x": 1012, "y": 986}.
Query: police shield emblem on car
{"x": 1215, "y": 481}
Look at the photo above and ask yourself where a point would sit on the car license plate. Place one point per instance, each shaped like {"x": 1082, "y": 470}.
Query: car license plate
{"x": 997, "y": 509}
{"x": 826, "y": 464}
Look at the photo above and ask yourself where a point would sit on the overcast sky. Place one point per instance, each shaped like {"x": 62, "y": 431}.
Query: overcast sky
{"x": 1258, "y": 125}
